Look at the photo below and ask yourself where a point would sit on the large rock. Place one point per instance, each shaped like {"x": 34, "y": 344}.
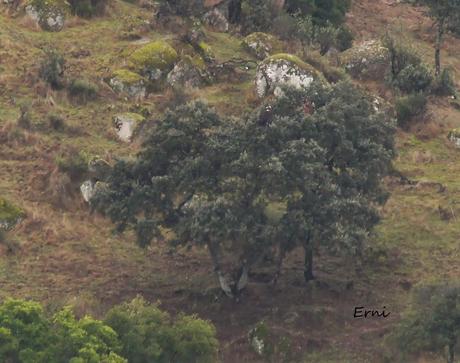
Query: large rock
{"x": 126, "y": 125}
{"x": 187, "y": 73}
{"x": 368, "y": 60}
{"x": 284, "y": 70}
{"x": 90, "y": 188}
{"x": 130, "y": 83}
{"x": 454, "y": 137}
{"x": 10, "y": 215}
{"x": 49, "y": 15}
{"x": 153, "y": 60}
{"x": 260, "y": 45}
{"x": 216, "y": 19}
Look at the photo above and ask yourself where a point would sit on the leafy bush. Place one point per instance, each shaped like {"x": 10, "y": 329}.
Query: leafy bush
{"x": 344, "y": 38}
{"x": 444, "y": 84}
{"x": 52, "y": 68}
{"x": 413, "y": 78}
{"x": 56, "y": 122}
{"x": 75, "y": 164}
{"x": 256, "y": 16}
{"x": 322, "y": 11}
{"x": 88, "y": 8}
{"x": 408, "y": 107}
{"x": 325, "y": 36}
{"x": 149, "y": 335}
{"x": 82, "y": 90}
{"x": 284, "y": 25}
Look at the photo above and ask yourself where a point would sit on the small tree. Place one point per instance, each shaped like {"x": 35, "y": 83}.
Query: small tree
{"x": 433, "y": 321}
{"x": 444, "y": 13}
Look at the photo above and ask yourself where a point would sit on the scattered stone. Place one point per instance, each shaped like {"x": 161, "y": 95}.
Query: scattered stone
{"x": 10, "y": 215}
{"x": 186, "y": 73}
{"x": 284, "y": 69}
{"x": 126, "y": 125}
{"x": 368, "y": 60}
{"x": 130, "y": 83}
{"x": 217, "y": 20}
{"x": 454, "y": 137}
{"x": 259, "y": 44}
{"x": 154, "y": 60}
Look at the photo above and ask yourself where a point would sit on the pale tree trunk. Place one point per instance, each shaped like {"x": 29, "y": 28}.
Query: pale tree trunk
{"x": 214, "y": 251}
{"x": 437, "y": 52}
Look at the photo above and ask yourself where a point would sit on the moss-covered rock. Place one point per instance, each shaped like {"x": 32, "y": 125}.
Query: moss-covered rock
{"x": 154, "y": 59}
{"x": 454, "y": 137}
{"x": 368, "y": 60}
{"x": 259, "y": 44}
{"x": 48, "y": 14}
{"x": 10, "y": 215}
{"x": 127, "y": 124}
{"x": 130, "y": 83}
{"x": 206, "y": 51}
{"x": 188, "y": 72}
{"x": 284, "y": 69}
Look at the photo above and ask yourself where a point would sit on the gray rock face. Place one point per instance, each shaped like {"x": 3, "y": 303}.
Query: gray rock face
{"x": 217, "y": 20}
{"x": 454, "y": 137}
{"x": 50, "y": 18}
{"x": 126, "y": 125}
{"x": 87, "y": 190}
{"x": 185, "y": 74}
{"x": 134, "y": 87}
{"x": 258, "y": 44}
{"x": 276, "y": 72}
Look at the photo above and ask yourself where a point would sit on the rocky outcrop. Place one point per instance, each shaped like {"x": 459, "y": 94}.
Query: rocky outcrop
{"x": 284, "y": 69}
{"x": 260, "y": 45}
{"x": 454, "y": 137}
{"x": 126, "y": 125}
{"x": 49, "y": 15}
{"x": 10, "y": 215}
{"x": 129, "y": 83}
{"x": 216, "y": 19}
{"x": 368, "y": 60}
{"x": 153, "y": 60}
{"x": 90, "y": 188}
{"x": 187, "y": 73}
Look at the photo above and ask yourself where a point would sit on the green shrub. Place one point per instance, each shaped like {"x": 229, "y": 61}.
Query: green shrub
{"x": 322, "y": 11}
{"x": 256, "y": 16}
{"x": 52, "y": 68}
{"x": 444, "y": 85}
{"x": 155, "y": 56}
{"x": 325, "y": 36}
{"x": 88, "y": 8}
{"x": 24, "y": 120}
{"x": 344, "y": 38}
{"x": 56, "y": 122}
{"x": 149, "y": 335}
{"x": 284, "y": 25}
{"x": 408, "y": 107}
{"x": 413, "y": 78}
{"x": 82, "y": 90}
{"x": 75, "y": 164}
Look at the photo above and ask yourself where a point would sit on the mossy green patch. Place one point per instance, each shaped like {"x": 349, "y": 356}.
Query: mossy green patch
{"x": 157, "y": 55}
{"x": 9, "y": 214}
{"x": 127, "y": 76}
{"x": 292, "y": 59}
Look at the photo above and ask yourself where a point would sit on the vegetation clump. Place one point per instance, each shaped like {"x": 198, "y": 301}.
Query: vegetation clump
{"x": 82, "y": 90}
{"x": 158, "y": 56}
{"x": 9, "y": 214}
{"x": 52, "y": 68}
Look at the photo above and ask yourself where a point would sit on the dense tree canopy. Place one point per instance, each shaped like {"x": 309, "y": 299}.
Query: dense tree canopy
{"x": 321, "y": 10}
{"x": 217, "y": 182}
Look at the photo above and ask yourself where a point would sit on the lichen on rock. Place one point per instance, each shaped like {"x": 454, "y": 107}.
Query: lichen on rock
{"x": 188, "y": 72}
{"x": 259, "y": 44}
{"x": 368, "y": 60}
{"x": 50, "y": 15}
{"x": 126, "y": 125}
{"x": 154, "y": 59}
{"x": 124, "y": 81}
{"x": 284, "y": 70}
{"x": 10, "y": 215}
{"x": 454, "y": 137}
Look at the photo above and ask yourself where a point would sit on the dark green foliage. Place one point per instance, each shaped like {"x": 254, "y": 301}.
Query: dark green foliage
{"x": 322, "y": 11}
{"x": 284, "y": 26}
{"x": 444, "y": 85}
{"x": 149, "y": 335}
{"x": 256, "y": 16}
{"x": 409, "y": 107}
{"x": 52, "y": 69}
{"x": 74, "y": 163}
{"x": 88, "y": 8}
{"x": 56, "y": 122}
{"x": 414, "y": 78}
{"x": 344, "y": 38}
{"x": 432, "y": 323}
{"x": 82, "y": 90}
{"x": 212, "y": 180}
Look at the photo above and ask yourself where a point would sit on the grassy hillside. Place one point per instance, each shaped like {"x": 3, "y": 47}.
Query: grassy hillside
{"x": 63, "y": 254}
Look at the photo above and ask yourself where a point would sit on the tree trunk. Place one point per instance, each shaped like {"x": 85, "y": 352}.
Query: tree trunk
{"x": 234, "y": 11}
{"x": 450, "y": 353}
{"x": 308, "y": 264}
{"x": 279, "y": 264}
{"x": 214, "y": 251}
{"x": 437, "y": 52}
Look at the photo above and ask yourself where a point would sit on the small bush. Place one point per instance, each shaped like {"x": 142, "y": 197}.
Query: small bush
{"x": 256, "y": 16}
{"x": 82, "y": 90}
{"x": 24, "y": 120}
{"x": 284, "y": 25}
{"x": 344, "y": 39}
{"x": 444, "y": 85}
{"x": 325, "y": 36}
{"x": 52, "y": 69}
{"x": 408, "y": 107}
{"x": 88, "y": 8}
{"x": 75, "y": 164}
{"x": 56, "y": 122}
{"x": 413, "y": 78}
